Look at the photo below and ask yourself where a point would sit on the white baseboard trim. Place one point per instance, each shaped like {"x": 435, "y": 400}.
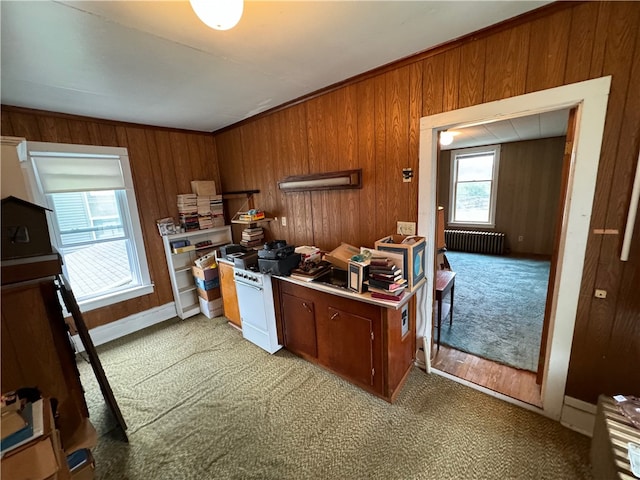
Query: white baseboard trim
{"x": 127, "y": 325}
{"x": 578, "y": 415}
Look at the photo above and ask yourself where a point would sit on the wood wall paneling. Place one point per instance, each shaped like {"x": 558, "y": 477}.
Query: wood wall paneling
{"x": 366, "y": 160}
{"x": 529, "y": 182}
{"x": 152, "y": 155}
{"x": 506, "y": 63}
{"x": 548, "y": 51}
{"x": 372, "y": 124}
{"x": 433, "y": 85}
{"x": 472, "y": 73}
{"x": 581, "y": 38}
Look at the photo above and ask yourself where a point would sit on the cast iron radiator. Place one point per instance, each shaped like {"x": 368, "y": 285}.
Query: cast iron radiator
{"x": 476, "y": 242}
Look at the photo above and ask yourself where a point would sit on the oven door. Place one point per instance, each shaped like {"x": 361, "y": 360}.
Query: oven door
{"x": 251, "y": 303}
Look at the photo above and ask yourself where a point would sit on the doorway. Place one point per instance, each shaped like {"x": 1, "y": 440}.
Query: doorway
{"x": 498, "y": 187}
{"x": 590, "y": 98}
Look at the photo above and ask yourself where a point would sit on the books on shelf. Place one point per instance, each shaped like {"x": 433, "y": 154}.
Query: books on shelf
{"x": 200, "y": 212}
{"x": 251, "y": 216}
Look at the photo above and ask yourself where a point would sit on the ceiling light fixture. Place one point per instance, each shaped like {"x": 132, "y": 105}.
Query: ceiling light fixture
{"x": 218, "y": 14}
{"x": 446, "y": 138}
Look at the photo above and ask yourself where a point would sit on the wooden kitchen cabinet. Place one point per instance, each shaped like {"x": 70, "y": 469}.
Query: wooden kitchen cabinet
{"x": 371, "y": 346}
{"x": 229, "y": 295}
{"x": 299, "y": 325}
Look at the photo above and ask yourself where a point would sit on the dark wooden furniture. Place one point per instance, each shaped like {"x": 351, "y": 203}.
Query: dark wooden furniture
{"x": 36, "y": 351}
{"x": 369, "y": 345}
{"x": 445, "y": 283}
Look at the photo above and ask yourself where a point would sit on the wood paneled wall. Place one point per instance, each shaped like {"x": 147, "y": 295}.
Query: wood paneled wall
{"x": 163, "y": 163}
{"x": 373, "y": 123}
{"x": 528, "y": 193}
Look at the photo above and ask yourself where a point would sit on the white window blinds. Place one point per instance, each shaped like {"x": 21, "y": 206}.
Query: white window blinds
{"x": 78, "y": 173}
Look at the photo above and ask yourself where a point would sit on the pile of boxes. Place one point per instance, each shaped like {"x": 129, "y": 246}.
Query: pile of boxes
{"x": 208, "y": 287}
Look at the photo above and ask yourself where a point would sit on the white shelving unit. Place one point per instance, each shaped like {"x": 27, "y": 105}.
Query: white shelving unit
{"x": 182, "y": 282}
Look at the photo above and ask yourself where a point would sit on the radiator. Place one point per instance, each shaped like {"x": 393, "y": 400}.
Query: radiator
{"x": 476, "y": 242}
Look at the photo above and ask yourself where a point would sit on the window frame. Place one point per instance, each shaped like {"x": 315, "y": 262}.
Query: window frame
{"x": 145, "y": 286}
{"x": 493, "y": 195}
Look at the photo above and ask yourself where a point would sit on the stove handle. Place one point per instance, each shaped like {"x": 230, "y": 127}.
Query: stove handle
{"x": 251, "y": 286}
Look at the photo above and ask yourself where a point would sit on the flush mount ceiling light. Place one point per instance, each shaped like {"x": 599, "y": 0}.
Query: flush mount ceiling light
{"x": 322, "y": 181}
{"x": 446, "y": 137}
{"x": 218, "y": 14}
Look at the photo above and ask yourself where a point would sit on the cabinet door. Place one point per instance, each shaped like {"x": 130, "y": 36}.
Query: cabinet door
{"x": 351, "y": 345}
{"x": 299, "y": 325}
{"x": 229, "y": 295}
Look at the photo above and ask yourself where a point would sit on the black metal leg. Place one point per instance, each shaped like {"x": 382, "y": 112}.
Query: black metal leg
{"x": 453, "y": 287}
{"x": 439, "y": 319}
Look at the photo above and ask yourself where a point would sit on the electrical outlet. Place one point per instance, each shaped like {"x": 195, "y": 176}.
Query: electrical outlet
{"x": 520, "y": 238}
{"x": 600, "y": 293}
{"x": 284, "y": 221}
{"x": 406, "y": 228}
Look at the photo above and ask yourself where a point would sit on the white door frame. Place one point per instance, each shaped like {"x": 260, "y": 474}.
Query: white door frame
{"x": 591, "y": 98}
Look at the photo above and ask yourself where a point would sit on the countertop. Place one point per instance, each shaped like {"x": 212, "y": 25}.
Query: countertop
{"x": 342, "y": 292}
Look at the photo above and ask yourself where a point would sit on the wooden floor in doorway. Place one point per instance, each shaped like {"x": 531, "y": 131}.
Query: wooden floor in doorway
{"x": 515, "y": 383}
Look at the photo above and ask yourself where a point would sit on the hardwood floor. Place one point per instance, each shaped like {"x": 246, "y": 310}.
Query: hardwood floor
{"x": 515, "y": 383}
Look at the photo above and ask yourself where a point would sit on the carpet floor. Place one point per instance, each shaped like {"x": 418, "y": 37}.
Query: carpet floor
{"x": 203, "y": 403}
{"x": 498, "y": 308}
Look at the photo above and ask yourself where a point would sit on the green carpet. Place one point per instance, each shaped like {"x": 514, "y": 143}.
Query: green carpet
{"x": 498, "y": 308}
{"x": 203, "y": 403}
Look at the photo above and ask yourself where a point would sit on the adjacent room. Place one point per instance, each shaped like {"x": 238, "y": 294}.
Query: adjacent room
{"x": 320, "y": 240}
{"x": 499, "y": 187}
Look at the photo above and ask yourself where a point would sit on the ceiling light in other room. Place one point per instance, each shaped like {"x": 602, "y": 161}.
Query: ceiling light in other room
{"x": 446, "y": 138}
{"x": 218, "y": 14}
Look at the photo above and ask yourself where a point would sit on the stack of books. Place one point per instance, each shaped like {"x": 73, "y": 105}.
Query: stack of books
{"x": 188, "y": 211}
{"x": 217, "y": 210}
{"x": 385, "y": 279}
{"x": 210, "y": 211}
{"x": 204, "y": 212}
{"x": 252, "y": 237}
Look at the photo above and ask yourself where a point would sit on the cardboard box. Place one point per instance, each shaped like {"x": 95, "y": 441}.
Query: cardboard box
{"x": 341, "y": 256}
{"x": 209, "y": 295}
{"x": 211, "y": 309}
{"x": 203, "y": 187}
{"x": 205, "y": 274}
{"x": 208, "y": 284}
{"x": 413, "y": 264}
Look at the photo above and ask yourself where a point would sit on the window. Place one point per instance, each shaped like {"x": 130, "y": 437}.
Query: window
{"x": 94, "y": 221}
{"x": 474, "y": 181}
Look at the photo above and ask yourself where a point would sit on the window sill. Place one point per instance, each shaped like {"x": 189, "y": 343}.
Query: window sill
{"x": 471, "y": 225}
{"x": 118, "y": 297}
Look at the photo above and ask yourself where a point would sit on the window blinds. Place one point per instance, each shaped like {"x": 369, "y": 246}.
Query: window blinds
{"x": 81, "y": 173}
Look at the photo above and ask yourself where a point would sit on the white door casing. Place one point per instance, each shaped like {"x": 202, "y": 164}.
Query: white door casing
{"x": 591, "y": 98}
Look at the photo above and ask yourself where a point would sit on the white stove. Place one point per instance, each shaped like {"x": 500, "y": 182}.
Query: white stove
{"x": 257, "y": 311}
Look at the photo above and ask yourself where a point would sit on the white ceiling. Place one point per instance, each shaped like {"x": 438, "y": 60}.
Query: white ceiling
{"x": 155, "y": 63}
{"x": 544, "y": 125}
